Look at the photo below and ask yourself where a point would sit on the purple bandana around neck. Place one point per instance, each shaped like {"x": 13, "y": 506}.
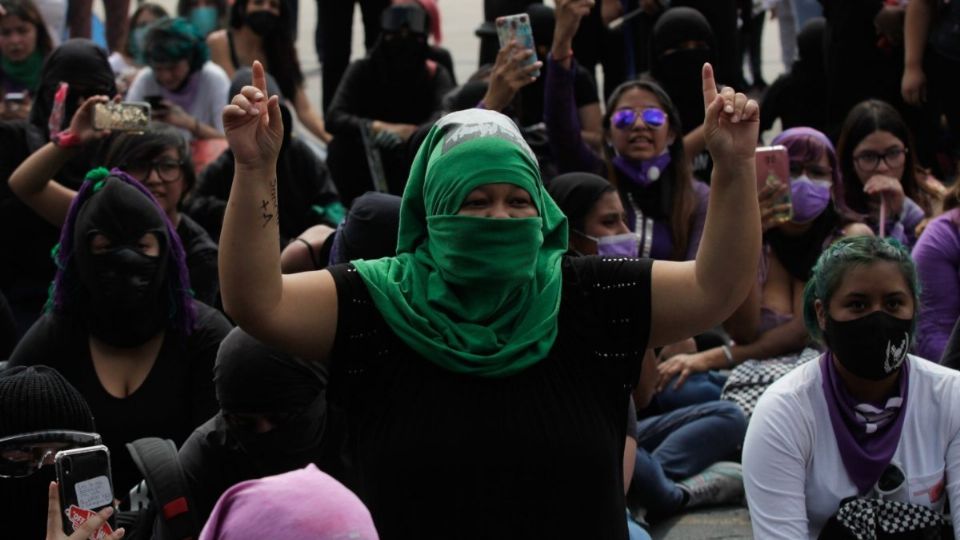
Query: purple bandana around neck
{"x": 643, "y": 173}
{"x": 865, "y": 455}
{"x": 186, "y": 95}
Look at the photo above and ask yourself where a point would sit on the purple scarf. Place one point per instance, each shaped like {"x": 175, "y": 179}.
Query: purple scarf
{"x": 867, "y": 441}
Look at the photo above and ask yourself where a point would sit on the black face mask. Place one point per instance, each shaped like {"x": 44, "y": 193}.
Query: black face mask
{"x": 290, "y": 445}
{"x": 26, "y": 498}
{"x": 871, "y": 347}
{"x": 263, "y": 23}
{"x": 406, "y": 55}
{"x": 676, "y": 72}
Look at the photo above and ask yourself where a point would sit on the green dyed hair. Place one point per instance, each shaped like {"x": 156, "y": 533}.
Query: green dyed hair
{"x": 846, "y": 253}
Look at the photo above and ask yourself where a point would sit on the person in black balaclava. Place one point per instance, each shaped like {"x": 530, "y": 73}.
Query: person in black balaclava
{"x": 387, "y": 94}
{"x": 682, "y": 42}
{"x": 796, "y": 98}
{"x": 722, "y": 15}
{"x": 306, "y": 193}
{"x": 121, "y": 325}
{"x": 35, "y": 399}
{"x": 273, "y": 418}
{"x": 26, "y": 239}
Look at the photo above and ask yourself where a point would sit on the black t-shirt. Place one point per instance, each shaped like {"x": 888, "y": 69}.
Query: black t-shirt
{"x": 201, "y": 260}
{"x": 176, "y": 396}
{"x": 534, "y": 455}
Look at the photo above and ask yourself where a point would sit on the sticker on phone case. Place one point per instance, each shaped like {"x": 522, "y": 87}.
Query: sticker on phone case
{"x": 78, "y": 516}
{"x": 94, "y": 493}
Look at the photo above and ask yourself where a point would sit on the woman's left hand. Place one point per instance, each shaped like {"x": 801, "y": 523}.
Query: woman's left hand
{"x": 731, "y": 123}
{"x": 682, "y": 366}
{"x": 889, "y": 188}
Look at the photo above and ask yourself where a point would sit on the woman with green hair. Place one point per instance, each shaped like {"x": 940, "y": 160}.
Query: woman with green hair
{"x": 867, "y": 429}
{"x": 184, "y": 87}
{"x": 483, "y": 373}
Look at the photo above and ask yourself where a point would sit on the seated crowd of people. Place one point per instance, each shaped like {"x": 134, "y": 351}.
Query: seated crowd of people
{"x": 526, "y": 306}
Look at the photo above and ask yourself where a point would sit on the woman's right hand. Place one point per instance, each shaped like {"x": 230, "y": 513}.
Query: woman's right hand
{"x": 87, "y": 530}
{"x": 568, "y": 16}
{"x": 253, "y": 124}
{"x": 913, "y": 86}
{"x": 510, "y": 74}
{"x": 81, "y": 125}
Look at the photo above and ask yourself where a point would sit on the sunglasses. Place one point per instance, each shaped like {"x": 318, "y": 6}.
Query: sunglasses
{"x": 626, "y": 118}
{"x": 22, "y": 455}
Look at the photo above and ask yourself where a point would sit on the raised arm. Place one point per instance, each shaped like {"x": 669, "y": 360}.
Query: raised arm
{"x": 298, "y": 312}
{"x": 690, "y": 297}
{"x": 32, "y": 182}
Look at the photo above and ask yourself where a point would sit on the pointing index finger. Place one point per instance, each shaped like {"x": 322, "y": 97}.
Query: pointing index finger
{"x": 709, "y": 85}
{"x": 259, "y": 78}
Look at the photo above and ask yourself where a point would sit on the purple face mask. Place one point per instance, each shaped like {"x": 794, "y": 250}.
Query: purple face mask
{"x": 643, "y": 173}
{"x": 810, "y": 198}
{"x": 618, "y": 245}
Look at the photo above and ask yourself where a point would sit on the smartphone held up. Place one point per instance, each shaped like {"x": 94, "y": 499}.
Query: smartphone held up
{"x": 773, "y": 176}
{"x": 517, "y": 27}
{"x": 85, "y": 487}
{"x": 123, "y": 116}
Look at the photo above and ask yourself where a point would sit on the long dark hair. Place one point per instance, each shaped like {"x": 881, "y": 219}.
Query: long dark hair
{"x": 27, "y": 10}
{"x": 863, "y": 119}
{"x": 127, "y": 148}
{"x": 684, "y": 202}
{"x": 282, "y": 61}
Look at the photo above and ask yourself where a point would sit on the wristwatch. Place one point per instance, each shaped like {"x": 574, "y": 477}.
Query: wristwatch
{"x": 66, "y": 139}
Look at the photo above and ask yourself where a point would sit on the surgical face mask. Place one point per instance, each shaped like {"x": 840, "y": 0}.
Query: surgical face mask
{"x": 204, "y": 19}
{"x": 871, "y": 347}
{"x": 617, "y": 245}
{"x": 809, "y": 198}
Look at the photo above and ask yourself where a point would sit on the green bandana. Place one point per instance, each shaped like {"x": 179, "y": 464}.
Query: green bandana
{"x": 473, "y": 295}
{"x": 25, "y": 72}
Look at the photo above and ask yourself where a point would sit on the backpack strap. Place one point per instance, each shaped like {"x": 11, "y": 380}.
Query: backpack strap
{"x": 158, "y": 462}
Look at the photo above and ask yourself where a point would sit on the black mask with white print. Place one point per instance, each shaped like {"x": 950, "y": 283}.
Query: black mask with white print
{"x": 871, "y": 347}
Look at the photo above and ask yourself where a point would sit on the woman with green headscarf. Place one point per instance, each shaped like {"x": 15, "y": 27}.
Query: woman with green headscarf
{"x": 483, "y": 375}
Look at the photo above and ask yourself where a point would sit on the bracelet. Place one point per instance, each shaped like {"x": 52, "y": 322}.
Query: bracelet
{"x": 313, "y": 254}
{"x": 66, "y": 139}
{"x": 728, "y": 354}
{"x": 564, "y": 57}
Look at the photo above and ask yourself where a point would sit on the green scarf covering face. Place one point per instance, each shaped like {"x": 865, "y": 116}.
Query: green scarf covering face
{"x": 25, "y": 72}
{"x": 473, "y": 295}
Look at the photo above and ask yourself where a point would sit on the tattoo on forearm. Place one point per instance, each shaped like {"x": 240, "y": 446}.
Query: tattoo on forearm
{"x": 267, "y": 216}
{"x": 270, "y": 209}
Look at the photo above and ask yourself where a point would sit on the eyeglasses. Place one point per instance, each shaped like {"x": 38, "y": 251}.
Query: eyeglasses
{"x": 22, "y": 455}
{"x": 168, "y": 170}
{"x": 625, "y": 118}
{"x": 869, "y": 160}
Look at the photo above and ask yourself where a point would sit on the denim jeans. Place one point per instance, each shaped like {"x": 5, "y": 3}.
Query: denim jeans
{"x": 698, "y": 388}
{"x": 679, "y": 444}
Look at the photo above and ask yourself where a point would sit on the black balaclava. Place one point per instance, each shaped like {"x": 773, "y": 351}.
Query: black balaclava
{"x": 370, "y": 229}
{"x": 576, "y": 193}
{"x": 35, "y": 398}
{"x": 81, "y": 64}
{"x": 398, "y": 55}
{"x": 124, "y": 304}
{"x": 678, "y": 69}
{"x": 252, "y": 378}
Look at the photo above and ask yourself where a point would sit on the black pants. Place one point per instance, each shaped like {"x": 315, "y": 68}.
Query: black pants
{"x": 335, "y": 34}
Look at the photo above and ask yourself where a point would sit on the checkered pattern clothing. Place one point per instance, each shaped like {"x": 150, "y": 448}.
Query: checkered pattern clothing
{"x": 748, "y": 381}
{"x": 870, "y": 519}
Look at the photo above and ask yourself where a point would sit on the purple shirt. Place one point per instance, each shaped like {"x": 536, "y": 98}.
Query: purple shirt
{"x": 937, "y": 255}
{"x": 573, "y": 155}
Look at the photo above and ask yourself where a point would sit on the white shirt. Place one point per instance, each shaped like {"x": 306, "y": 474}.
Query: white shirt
{"x": 210, "y": 100}
{"x": 792, "y": 469}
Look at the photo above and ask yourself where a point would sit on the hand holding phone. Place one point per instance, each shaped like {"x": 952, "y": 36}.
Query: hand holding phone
{"x": 517, "y": 28}
{"x": 94, "y": 527}
{"x": 773, "y": 185}
{"x": 85, "y": 486}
